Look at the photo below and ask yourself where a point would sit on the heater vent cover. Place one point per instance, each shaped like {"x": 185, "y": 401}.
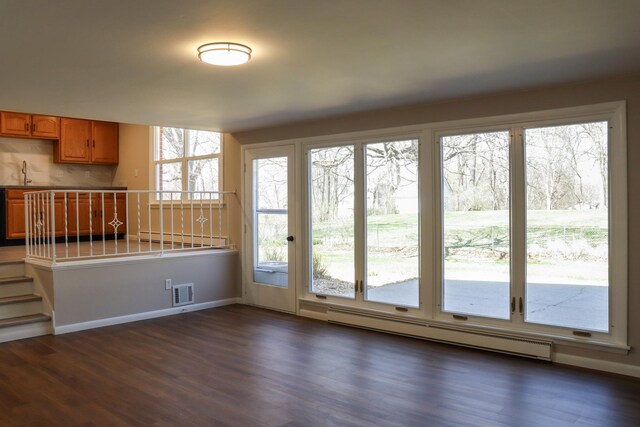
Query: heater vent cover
{"x": 182, "y": 294}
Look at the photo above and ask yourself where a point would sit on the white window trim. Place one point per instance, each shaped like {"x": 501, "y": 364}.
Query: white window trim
{"x": 153, "y": 141}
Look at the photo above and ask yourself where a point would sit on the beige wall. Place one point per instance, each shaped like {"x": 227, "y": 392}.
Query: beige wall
{"x": 623, "y": 88}
{"x": 133, "y": 169}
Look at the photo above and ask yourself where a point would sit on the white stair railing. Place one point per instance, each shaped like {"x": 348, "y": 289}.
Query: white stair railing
{"x": 63, "y": 225}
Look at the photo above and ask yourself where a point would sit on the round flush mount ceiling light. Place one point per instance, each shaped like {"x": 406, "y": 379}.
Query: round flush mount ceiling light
{"x": 224, "y": 53}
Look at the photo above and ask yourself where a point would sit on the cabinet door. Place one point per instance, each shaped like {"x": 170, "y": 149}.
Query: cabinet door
{"x": 18, "y": 124}
{"x": 15, "y": 219}
{"x": 104, "y": 148}
{"x": 73, "y": 146}
{"x": 45, "y": 126}
{"x": 114, "y": 214}
{"x": 80, "y": 214}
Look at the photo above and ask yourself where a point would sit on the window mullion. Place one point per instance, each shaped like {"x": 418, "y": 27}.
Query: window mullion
{"x": 518, "y": 199}
{"x": 359, "y": 216}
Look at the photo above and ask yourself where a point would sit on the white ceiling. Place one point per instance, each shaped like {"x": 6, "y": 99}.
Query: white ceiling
{"x": 135, "y": 60}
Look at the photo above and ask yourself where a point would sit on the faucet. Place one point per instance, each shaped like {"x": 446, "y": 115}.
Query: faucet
{"x": 26, "y": 180}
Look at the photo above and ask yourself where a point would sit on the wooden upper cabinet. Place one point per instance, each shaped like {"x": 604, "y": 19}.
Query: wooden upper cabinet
{"x": 29, "y": 125}
{"x": 45, "y": 126}
{"x": 79, "y": 140}
{"x": 75, "y": 140}
{"x": 18, "y": 124}
{"x": 104, "y": 148}
{"x": 86, "y": 141}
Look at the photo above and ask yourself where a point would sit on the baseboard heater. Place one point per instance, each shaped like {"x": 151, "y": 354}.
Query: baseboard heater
{"x": 537, "y": 349}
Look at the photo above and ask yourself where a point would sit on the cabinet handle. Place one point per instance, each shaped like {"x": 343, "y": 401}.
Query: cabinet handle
{"x": 33, "y": 127}
{"x": 26, "y": 126}
{"x": 94, "y": 143}
{"x": 87, "y": 143}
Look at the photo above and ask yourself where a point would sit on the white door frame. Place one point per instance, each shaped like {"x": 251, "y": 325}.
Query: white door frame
{"x": 269, "y": 296}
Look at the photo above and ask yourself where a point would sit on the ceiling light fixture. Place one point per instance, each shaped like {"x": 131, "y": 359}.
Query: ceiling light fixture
{"x": 224, "y": 53}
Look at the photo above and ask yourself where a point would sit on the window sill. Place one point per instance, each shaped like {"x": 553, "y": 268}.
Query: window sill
{"x": 587, "y": 343}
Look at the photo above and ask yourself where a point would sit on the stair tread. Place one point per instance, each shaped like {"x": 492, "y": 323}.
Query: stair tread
{"x": 15, "y": 279}
{"x": 20, "y": 298}
{"x": 23, "y": 320}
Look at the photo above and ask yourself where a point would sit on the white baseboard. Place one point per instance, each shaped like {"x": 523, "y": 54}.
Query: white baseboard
{"x": 597, "y": 364}
{"x": 75, "y": 327}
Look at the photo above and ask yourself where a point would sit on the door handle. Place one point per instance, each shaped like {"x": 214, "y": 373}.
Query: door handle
{"x": 289, "y": 238}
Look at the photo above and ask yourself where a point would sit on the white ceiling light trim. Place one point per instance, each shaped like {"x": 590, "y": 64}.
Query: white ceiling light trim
{"x": 224, "y": 53}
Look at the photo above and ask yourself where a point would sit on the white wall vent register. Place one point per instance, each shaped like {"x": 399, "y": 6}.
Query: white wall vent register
{"x": 182, "y": 294}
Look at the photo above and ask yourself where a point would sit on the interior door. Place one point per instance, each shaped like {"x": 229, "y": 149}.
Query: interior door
{"x": 269, "y": 237}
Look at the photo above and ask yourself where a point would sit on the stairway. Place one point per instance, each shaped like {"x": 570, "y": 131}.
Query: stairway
{"x": 22, "y": 311}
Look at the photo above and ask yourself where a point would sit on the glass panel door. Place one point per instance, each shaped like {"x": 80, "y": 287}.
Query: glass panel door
{"x": 270, "y": 241}
{"x": 567, "y": 226}
{"x": 475, "y": 224}
{"x": 392, "y": 223}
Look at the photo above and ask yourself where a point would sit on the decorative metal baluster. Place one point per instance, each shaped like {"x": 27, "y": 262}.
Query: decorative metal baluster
{"x": 220, "y": 201}
{"x": 228, "y": 240}
{"x": 139, "y": 229}
{"x": 210, "y": 219}
{"x": 78, "y": 222}
{"x": 192, "y": 218}
{"x": 115, "y": 222}
{"x": 66, "y": 227}
{"x": 149, "y": 213}
{"x": 90, "y": 223}
{"x": 126, "y": 219}
{"x": 171, "y": 193}
{"x": 36, "y": 227}
{"x": 47, "y": 222}
{"x": 27, "y": 226}
{"x": 201, "y": 220}
{"x": 161, "y": 224}
{"x": 182, "y": 218}
{"x": 102, "y": 219}
{"x": 53, "y": 226}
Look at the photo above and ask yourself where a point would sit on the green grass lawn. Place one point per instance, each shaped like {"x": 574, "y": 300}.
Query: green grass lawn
{"x": 561, "y": 243}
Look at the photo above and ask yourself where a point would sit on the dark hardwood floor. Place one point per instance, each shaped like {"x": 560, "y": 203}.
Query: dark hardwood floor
{"x": 243, "y": 366}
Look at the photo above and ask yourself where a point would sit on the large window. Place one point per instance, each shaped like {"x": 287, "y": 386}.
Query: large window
{"x": 376, "y": 204}
{"x": 476, "y": 229}
{"x": 527, "y": 224}
{"x": 187, "y": 160}
{"x": 515, "y": 224}
{"x": 567, "y": 225}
